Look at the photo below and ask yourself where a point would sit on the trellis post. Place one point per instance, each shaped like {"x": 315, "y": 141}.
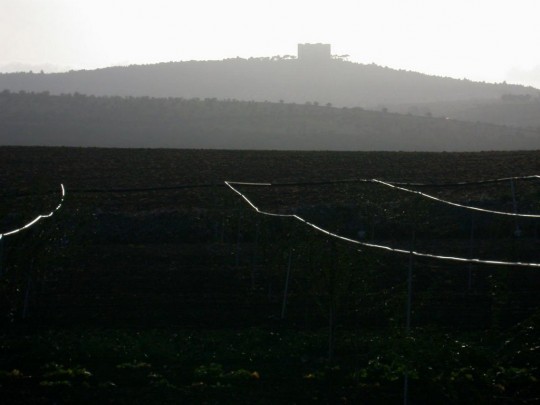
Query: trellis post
{"x": 517, "y": 232}
{"x": 1, "y": 254}
{"x": 408, "y": 313}
{"x": 286, "y": 289}
{"x": 471, "y": 249}
{"x": 254, "y": 255}
{"x": 238, "y": 238}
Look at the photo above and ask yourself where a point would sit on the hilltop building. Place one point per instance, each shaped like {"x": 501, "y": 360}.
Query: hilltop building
{"x": 314, "y": 52}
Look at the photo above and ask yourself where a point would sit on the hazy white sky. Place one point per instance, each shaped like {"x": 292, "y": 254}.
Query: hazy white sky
{"x": 491, "y": 40}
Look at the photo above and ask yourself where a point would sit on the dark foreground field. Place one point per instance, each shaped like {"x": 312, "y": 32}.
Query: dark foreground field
{"x": 139, "y": 290}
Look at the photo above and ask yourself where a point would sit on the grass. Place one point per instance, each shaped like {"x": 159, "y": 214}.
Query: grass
{"x": 261, "y": 365}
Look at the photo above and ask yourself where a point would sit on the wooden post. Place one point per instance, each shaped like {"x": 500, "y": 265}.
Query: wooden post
{"x": 1, "y": 255}
{"x": 373, "y": 221}
{"x": 238, "y": 238}
{"x": 471, "y": 249}
{"x": 517, "y": 232}
{"x": 286, "y": 289}
{"x": 254, "y": 256}
{"x": 222, "y": 236}
{"x": 331, "y": 326}
{"x": 307, "y": 307}
{"x": 409, "y": 286}
{"x": 408, "y": 314}
{"x": 26, "y": 298}
{"x": 332, "y": 301}
{"x": 26, "y": 302}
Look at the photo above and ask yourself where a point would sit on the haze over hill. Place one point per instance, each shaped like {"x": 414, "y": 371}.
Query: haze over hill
{"x": 315, "y": 76}
{"x": 263, "y": 79}
{"x": 519, "y": 110}
{"x": 79, "y": 120}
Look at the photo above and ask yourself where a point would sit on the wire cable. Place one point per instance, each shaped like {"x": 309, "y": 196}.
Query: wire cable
{"x": 276, "y": 184}
{"x": 466, "y": 183}
{"x": 397, "y": 186}
{"x": 372, "y": 245}
{"x": 38, "y": 218}
{"x": 395, "y": 183}
{"x": 468, "y": 207}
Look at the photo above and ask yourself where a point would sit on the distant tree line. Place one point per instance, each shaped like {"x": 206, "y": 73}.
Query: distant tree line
{"x": 82, "y": 120}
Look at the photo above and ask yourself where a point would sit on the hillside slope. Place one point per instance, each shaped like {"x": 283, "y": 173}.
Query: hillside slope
{"x": 512, "y": 110}
{"x": 77, "y": 120}
{"x": 335, "y": 81}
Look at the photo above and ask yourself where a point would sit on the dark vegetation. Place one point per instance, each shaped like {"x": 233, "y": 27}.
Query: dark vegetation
{"x": 341, "y": 83}
{"x": 177, "y": 296}
{"x": 511, "y": 110}
{"x": 79, "y": 120}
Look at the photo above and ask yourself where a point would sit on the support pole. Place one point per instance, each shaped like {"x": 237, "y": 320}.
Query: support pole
{"x": 26, "y": 298}
{"x": 517, "y": 232}
{"x": 286, "y": 289}
{"x": 254, "y": 256}
{"x": 332, "y": 302}
{"x": 471, "y": 249}
{"x": 408, "y": 314}
{"x": 238, "y": 239}
{"x": 409, "y": 286}
{"x": 26, "y": 302}
{"x": 1, "y": 255}
{"x": 222, "y": 236}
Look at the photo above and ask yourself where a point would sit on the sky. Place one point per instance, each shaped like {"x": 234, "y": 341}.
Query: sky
{"x": 481, "y": 40}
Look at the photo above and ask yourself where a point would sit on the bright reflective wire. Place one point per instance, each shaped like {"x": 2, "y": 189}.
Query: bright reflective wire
{"x": 395, "y": 183}
{"x": 396, "y": 186}
{"x": 467, "y": 183}
{"x": 468, "y": 207}
{"x": 39, "y": 217}
{"x": 371, "y": 245}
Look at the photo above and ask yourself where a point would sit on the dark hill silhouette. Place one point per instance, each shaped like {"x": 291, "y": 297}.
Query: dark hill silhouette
{"x": 79, "y": 120}
{"x": 513, "y": 110}
{"x": 264, "y": 79}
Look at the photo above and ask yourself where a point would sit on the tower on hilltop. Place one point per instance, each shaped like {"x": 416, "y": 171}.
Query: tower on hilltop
{"x": 314, "y": 52}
